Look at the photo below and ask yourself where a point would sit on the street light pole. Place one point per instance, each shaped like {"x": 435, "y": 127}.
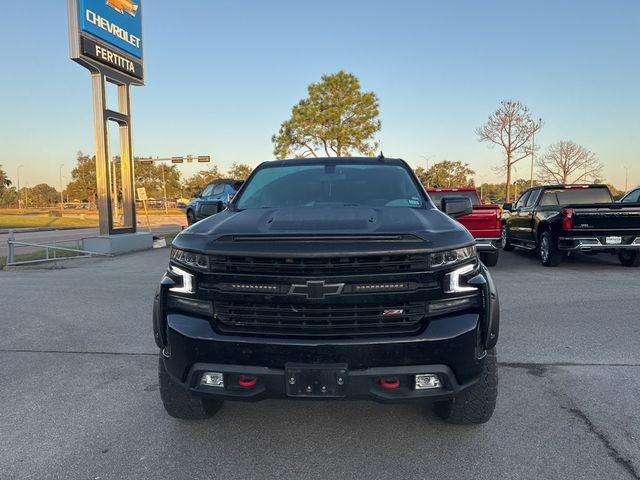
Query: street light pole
{"x": 533, "y": 147}
{"x": 19, "y": 167}
{"x": 164, "y": 191}
{"x": 61, "y": 195}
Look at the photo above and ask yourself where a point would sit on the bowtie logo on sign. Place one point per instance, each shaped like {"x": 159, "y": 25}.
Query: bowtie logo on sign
{"x": 123, "y": 6}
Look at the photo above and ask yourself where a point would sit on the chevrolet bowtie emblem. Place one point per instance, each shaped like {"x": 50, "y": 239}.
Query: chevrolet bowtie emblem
{"x": 123, "y": 6}
{"x": 316, "y": 289}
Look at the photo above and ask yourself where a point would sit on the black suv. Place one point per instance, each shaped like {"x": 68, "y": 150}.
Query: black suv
{"x": 329, "y": 278}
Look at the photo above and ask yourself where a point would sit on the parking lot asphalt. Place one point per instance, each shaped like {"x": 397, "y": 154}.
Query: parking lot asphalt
{"x": 79, "y": 391}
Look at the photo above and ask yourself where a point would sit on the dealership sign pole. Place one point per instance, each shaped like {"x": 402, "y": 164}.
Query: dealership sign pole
{"x": 105, "y": 36}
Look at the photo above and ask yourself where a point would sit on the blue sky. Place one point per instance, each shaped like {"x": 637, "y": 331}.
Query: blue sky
{"x": 222, "y": 75}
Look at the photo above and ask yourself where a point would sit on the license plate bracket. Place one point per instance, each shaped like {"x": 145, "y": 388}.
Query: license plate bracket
{"x": 319, "y": 381}
{"x": 613, "y": 240}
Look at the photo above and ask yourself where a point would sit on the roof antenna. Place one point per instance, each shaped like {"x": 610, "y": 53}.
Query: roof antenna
{"x": 381, "y": 156}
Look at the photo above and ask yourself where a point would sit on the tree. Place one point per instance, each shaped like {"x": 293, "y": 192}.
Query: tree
{"x": 8, "y": 197}
{"x": 198, "y": 181}
{"x": 617, "y": 194}
{"x": 568, "y": 162}
{"x": 83, "y": 184}
{"x": 446, "y": 174}
{"x": 43, "y": 195}
{"x": 4, "y": 180}
{"x": 336, "y": 119}
{"x": 511, "y": 128}
{"x": 149, "y": 176}
{"x": 239, "y": 171}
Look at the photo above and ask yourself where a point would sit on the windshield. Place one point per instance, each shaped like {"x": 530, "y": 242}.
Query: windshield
{"x": 438, "y": 196}
{"x": 316, "y": 185}
{"x": 577, "y": 196}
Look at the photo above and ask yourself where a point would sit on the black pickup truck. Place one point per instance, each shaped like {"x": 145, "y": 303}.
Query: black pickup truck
{"x": 560, "y": 219}
{"x": 329, "y": 278}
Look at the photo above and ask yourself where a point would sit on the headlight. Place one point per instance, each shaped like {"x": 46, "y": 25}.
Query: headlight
{"x": 186, "y": 284}
{"x": 189, "y": 259}
{"x": 451, "y": 257}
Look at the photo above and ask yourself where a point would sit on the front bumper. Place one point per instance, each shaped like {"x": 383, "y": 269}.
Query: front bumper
{"x": 451, "y": 346}
{"x": 597, "y": 244}
{"x": 488, "y": 244}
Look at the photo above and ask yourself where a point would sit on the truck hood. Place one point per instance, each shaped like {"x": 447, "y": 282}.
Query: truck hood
{"x": 428, "y": 229}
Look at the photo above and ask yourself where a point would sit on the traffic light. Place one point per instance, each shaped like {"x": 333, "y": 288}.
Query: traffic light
{"x": 204, "y": 159}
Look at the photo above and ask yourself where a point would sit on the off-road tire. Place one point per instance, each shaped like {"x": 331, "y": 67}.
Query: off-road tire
{"x": 505, "y": 239}
{"x": 476, "y": 404}
{"x": 179, "y": 403}
{"x": 550, "y": 256}
{"x": 191, "y": 217}
{"x": 490, "y": 259}
{"x": 629, "y": 259}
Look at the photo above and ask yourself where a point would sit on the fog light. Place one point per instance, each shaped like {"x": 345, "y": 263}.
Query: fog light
{"x": 426, "y": 381}
{"x": 212, "y": 379}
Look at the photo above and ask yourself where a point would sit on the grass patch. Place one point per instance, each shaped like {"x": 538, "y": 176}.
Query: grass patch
{"x": 32, "y": 221}
{"x": 169, "y": 238}
{"x": 39, "y": 255}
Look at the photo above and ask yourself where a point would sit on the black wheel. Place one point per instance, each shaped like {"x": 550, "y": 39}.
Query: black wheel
{"x": 490, "y": 259}
{"x": 191, "y": 217}
{"x": 505, "y": 238}
{"x": 550, "y": 256}
{"x": 629, "y": 259}
{"x": 179, "y": 403}
{"x": 477, "y": 403}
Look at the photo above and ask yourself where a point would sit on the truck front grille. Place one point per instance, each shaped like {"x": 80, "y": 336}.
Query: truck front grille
{"x": 326, "y": 266}
{"x": 319, "y": 319}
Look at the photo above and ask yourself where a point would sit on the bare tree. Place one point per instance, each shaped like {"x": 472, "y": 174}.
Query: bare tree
{"x": 568, "y": 162}
{"x": 512, "y": 128}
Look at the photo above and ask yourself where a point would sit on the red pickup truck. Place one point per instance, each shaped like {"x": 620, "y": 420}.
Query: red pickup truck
{"x": 484, "y": 222}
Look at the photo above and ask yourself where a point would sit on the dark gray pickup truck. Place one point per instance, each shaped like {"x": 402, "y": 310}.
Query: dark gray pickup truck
{"x": 559, "y": 219}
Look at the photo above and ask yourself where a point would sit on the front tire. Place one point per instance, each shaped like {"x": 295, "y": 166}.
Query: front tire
{"x": 505, "y": 239}
{"x": 550, "y": 256}
{"x": 476, "y": 404}
{"x": 179, "y": 403}
{"x": 490, "y": 259}
{"x": 191, "y": 217}
{"x": 629, "y": 259}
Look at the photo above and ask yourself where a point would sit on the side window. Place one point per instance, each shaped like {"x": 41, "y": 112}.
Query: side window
{"x": 207, "y": 190}
{"x": 634, "y": 197}
{"x": 549, "y": 198}
{"x": 522, "y": 200}
{"x": 218, "y": 189}
{"x": 533, "y": 198}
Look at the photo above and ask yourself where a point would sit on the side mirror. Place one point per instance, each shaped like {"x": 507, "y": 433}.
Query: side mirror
{"x": 198, "y": 194}
{"x": 456, "y": 206}
{"x": 507, "y": 207}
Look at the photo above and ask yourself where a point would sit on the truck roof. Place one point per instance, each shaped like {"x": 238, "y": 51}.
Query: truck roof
{"x": 456, "y": 189}
{"x": 574, "y": 185}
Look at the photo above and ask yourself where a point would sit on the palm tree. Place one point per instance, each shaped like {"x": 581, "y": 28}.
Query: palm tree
{"x": 4, "y": 180}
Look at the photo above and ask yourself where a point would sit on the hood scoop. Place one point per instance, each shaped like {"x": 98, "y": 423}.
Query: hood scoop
{"x": 321, "y": 220}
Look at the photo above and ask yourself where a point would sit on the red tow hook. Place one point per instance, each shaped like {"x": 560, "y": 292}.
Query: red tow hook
{"x": 390, "y": 383}
{"x": 247, "y": 380}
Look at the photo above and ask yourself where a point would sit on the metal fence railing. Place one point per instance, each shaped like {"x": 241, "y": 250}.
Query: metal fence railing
{"x": 52, "y": 252}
